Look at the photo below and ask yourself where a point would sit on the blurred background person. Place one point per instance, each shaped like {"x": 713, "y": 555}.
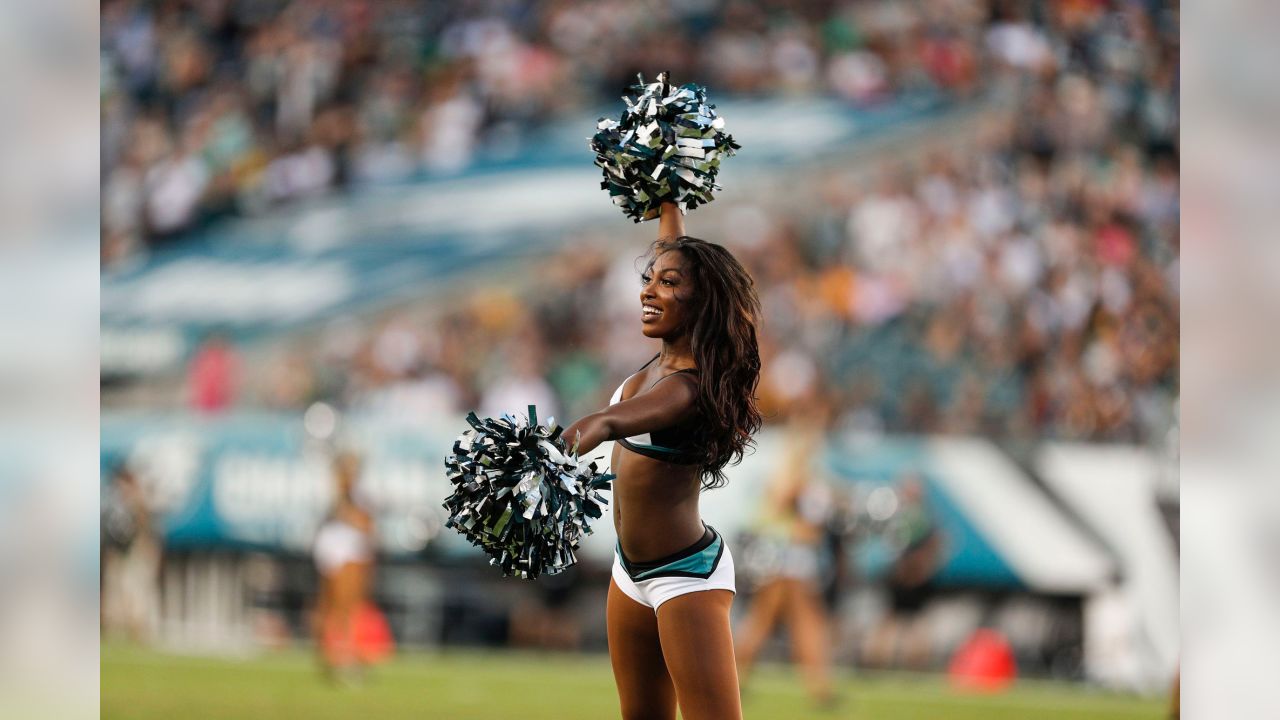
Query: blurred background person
{"x": 903, "y": 637}
{"x": 344, "y": 552}
{"x": 788, "y": 536}
{"x": 214, "y": 375}
{"x": 551, "y": 619}
{"x": 132, "y": 552}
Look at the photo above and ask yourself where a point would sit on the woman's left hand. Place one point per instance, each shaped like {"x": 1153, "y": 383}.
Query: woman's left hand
{"x": 670, "y": 221}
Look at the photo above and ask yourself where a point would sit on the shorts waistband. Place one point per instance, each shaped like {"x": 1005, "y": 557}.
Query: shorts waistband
{"x": 698, "y": 560}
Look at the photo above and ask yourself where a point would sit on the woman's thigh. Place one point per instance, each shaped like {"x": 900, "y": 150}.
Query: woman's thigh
{"x": 644, "y": 686}
{"x": 347, "y": 588}
{"x": 765, "y": 611}
{"x": 806, "y": 619}
{"x": 697, "y": 644}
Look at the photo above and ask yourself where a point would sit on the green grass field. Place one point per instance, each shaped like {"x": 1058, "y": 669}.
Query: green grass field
{"x": 144, "y": 685}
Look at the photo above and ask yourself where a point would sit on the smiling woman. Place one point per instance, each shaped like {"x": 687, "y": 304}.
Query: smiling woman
{"x": 677, "y": 422}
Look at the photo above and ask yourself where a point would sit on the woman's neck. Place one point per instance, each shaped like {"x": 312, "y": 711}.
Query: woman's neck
{"x": 676, "y": 353}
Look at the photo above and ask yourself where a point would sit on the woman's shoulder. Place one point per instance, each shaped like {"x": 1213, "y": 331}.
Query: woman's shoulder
{"x": 657, "y": 376}
{"x": 650, "y": 376}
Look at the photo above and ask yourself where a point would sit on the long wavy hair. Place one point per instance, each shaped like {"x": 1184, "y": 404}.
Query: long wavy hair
{"x": 724, "y": 312}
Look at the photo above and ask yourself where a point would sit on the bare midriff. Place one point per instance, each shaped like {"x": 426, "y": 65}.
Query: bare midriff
{"x": 655, "y": 505}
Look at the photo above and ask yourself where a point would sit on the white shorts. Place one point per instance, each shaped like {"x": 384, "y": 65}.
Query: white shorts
{"x": 705, "y": 565}
{"x": 337, "y": 544}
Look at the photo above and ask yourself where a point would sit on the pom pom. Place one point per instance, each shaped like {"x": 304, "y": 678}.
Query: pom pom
{"x": 520, "y": 495}
{"x": 667, "y": 146}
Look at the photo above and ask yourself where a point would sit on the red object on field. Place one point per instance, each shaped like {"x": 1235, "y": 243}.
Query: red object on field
{"x": 370, "y": 639}
{"x": 984, "y": 663}
{"x": 373, "y": 634}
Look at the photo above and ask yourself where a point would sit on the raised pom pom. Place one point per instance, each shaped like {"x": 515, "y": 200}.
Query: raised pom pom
{"x": 667, "y": 146}
{"x": 520, "y": 495}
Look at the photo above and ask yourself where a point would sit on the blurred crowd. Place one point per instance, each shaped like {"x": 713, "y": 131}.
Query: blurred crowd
{"x": 1018, "y": 282}
{"x": 216, "y": 107}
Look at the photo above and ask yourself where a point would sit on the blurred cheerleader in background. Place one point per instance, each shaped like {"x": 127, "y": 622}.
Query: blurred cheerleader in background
{"x": 350, "y": 631}
{"x": 788, "y": 539}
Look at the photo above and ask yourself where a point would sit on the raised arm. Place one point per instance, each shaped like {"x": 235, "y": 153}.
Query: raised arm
{"x": 662, "y": 406}
{"x": 670, "y": 222}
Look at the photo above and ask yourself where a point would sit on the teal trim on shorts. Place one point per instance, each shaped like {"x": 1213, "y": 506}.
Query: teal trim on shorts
{"x": 699, "y": 560}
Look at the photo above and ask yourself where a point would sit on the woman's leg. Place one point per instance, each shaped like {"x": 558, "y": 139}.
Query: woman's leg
{"x": 698, "y": 646}
{"x": 645, "y": 691}
{"x": 807, "y": 621}
{"x": 346, "y": 588}
{"x": 762, "y": 617}
{"x": 320, "y": 620}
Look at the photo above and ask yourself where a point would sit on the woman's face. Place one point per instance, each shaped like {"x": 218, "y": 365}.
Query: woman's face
{"x": 665, "y": 291}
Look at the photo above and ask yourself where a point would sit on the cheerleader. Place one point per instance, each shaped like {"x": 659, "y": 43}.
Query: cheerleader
{"x": 677, "y": 423}
{"x": 344, "y": 558}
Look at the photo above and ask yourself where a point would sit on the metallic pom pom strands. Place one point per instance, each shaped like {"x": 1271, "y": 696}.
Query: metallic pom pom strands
{"x": 667, "y": 146}
{"x": 520, "y": 495}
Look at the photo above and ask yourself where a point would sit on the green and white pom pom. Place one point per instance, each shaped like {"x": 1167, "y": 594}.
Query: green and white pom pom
{"x": 520, "y": 495}
{"x": 667, "y": 146}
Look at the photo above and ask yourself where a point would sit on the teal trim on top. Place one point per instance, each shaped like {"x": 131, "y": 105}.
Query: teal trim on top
{"x": 659, "y": 448}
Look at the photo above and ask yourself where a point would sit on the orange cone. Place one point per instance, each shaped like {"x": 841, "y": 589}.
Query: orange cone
{"x": 984, "y": 663}
{"x": 373, "y": 639}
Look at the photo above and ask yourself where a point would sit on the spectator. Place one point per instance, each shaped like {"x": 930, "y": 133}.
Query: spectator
{"x": 213, "y": 376}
